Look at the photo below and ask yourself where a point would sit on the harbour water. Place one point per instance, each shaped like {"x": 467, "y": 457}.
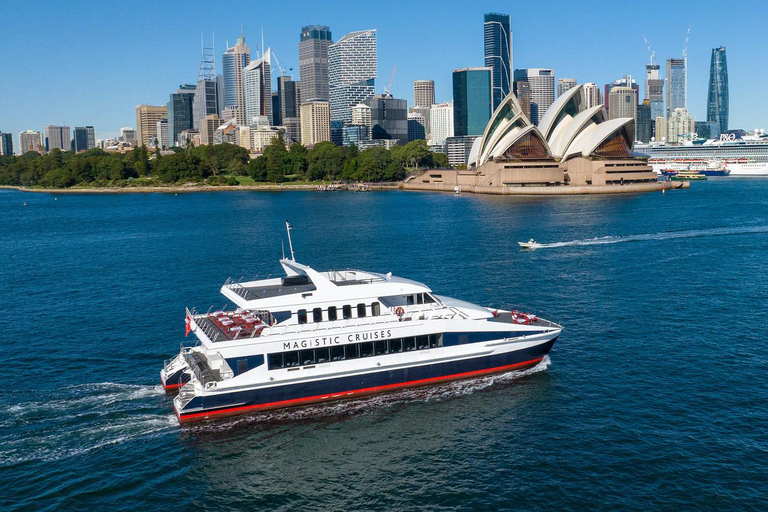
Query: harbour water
{"x": 653, "y": 398}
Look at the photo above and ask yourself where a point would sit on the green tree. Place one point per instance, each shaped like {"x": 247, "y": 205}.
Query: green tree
{"x": 277, "y": 157}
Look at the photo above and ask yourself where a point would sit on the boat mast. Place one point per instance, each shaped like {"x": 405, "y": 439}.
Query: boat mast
{"x": 288, "y": 228}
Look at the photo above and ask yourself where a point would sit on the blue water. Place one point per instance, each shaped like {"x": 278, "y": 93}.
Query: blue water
{"x": 655, "y": 396}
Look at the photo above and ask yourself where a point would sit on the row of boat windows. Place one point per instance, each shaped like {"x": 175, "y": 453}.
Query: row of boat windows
{"x": 361, "y": 310}
{"x": 352, "y": 351}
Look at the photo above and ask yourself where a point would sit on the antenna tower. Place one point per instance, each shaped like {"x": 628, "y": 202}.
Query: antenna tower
{"x": 208, "y": 60}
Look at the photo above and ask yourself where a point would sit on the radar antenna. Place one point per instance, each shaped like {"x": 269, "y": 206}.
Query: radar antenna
{"x": 288, "y": 228}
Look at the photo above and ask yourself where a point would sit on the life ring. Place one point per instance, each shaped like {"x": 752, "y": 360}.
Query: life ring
{"x": 399, "y": 311}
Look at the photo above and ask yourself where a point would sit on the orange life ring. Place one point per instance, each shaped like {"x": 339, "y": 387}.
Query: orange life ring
{"x": 399, "y": 311}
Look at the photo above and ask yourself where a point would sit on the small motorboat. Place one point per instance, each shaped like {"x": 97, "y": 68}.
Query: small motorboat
{"x": 530, "y": 244}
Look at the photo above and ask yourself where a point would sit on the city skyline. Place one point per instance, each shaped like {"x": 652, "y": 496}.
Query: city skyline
{"x": 104, "y": 92}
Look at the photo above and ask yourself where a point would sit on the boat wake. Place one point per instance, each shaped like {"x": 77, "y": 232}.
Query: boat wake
{"x": 341, "y": 410}
{"x": 79, "y": 419}
{"x": 668, "y": 235}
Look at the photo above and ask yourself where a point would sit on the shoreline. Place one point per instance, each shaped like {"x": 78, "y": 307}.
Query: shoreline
{"x": 161, "y": 189}
{"x": 627, "y": 188}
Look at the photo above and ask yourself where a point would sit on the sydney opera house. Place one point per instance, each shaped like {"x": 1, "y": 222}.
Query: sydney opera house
{"x": 572, "y": 146}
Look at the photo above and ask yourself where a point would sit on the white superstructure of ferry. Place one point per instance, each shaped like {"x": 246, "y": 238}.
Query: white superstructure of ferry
{"x": 742, "y": 156}
{"x": 313, "y": 336}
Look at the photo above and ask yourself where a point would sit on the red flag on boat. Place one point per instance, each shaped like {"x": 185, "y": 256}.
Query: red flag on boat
{"x": 188, "y": 323}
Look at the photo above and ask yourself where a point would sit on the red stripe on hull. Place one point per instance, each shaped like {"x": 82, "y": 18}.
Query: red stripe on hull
{"x": 351, "y": 394}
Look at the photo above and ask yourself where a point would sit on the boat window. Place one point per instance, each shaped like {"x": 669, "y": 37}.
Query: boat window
{"x": 317, "y": 315}
{"x": 419, "y": 298}
{"x": 428, "y": 299}
{"x": 409, "y": 300}
{"x": 337, "y": 353}
{"x": 375, "y": 309}
{"x": 381, "y": 347}
{"x": 332, "y": 314}
{"x": 302, "y": 314}
{"x": 409, "y": 343}
{"x": 434, "y": 340}
{"x": 307, "y": 357}
{"x": 323, "y": 355}
{"x": 396, "y": 346}
{"x": 242, "y": 366}
{"x": 463, "y": 338}
{"x": 361, "y": 311}
{"x": 350, "y": 352}
{"x": 275, "y": 361}
{"x": 347, "y": 310}
{"x": 366, "y": 349}
{"x": 422, "y": 342}
{"x": 291, "y": 359}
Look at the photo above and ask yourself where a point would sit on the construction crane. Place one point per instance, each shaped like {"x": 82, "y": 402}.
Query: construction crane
{"x": 650, "y": 50}
{"x": 282, "y": 69}
{"x": 685, "y": 59}
{"x": 388, "y": 89}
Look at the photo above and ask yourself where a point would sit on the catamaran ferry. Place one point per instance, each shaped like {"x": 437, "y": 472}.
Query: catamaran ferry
{"x": 314, "y": 336}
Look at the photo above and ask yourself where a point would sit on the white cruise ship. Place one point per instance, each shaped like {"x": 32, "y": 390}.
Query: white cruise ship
{"x": 314, "y": 336}
{"x": 742, "y": 155}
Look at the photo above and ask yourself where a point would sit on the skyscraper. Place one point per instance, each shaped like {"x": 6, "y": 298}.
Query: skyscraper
{"x": 389, "y": 118}
{"x": 417, "y": 126}
{"x": 162, "y": 134}
{"x": 57, "y": 137}
{"x": 91, "y": 133}
{"x": 681, "y": 126}
{"x": 180, "y": 109}
{"x": 542, "y": 82}
{"x": 30, "y": 140}
{"x": 627, "y": 81}
{"x": 234, "y": 60}
{"x": 288, "y": 95}
{"x": 654, "y": 90}
{"x": 423, "y": 93}
{"x": 472, "y": 100}
{"x": 147, "y": 117}
{"x": 565, "y": 84}
{"x": 80, "y": 139}
{"x": 313, "y": 62}
{"x": 208, "y": 126}
{"x": 352, "y": 68}
{"x": 622, "y": 102}
{"x": 441, "y": 122}
{"x": 6, "y": 144}
{"x": 315, "y": 122}
{"x": 207, "y": 95}
{"x": 498, "y": 54}
{"x": 644, "y": 127}
{"x": 717, "y": 98}
{"x": 257, "y": 79}
{"x": 591, "y": 95}
{"x": 675, "y": 85}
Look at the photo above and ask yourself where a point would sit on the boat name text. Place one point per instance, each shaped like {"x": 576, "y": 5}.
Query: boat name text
{"x": 335, "y": 340}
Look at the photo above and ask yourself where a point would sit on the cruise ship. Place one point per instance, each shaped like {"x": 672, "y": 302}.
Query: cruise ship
{"x": 742, "y": 155}
{"x": 312, "y": 336}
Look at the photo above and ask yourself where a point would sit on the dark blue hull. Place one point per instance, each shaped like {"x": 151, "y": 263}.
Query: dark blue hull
{"x": 216, "y": 406}
{"x": 715, "y": 173}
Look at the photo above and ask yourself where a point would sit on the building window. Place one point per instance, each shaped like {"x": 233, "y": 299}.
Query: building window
{"x": 347, "y": 311}
{"x": 317, "y": 315}
{"x": 332, "y": 314}
{"x": 302, "y": 316}
{"x": 361, "y": 311}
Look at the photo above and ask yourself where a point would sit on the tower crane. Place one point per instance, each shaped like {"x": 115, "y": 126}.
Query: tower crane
{"x": 650, "y": 50}
{"x": 388, "y": 89}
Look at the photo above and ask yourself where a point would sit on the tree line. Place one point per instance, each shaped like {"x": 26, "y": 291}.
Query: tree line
{"x": 217, "y": 164}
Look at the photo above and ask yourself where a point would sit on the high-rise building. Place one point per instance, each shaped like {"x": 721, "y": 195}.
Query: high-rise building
{"x": 257, "y": 79}
{"x": 91, "y": 134}
{"x": 458, "y": 149}
{"x": 6, "y": 144}
{"x": 208, "y": 127}
{"x": 162, "y": 134}
{"x": 180, "y": 112}
{"x": 361, "y": 115}
{"x": 417, "y": 126}
{"x": 591, "y": 95}
{"x": 472, "y": 100}
{"x": 315, "y": 122}
{"x": 654, "y": 92}
{"x": 80, "y": 139}
{"x": 207, "y": 93}
{"x": 681, "y": 126}
{"x": 389, "y": 118}
{"x": 128, "y": 135}
{"x": 234, "y": 60}
{"x": 644, "y": 128}
{"x": 660, "y": 129}
{"x": 542, "y": 82}
{"x": 627, "y": 81}
{"x": 30, "y": 140}
{"x": 352, "y": 67}
{"x": 423, "y": 93}
{"x": 717, "y": 98}
{"x": 622, "y": 102}
{"x": 277, "y": 118}
{"x": 440, "y": 122}
{"x": 288, "y": 99}
{"x": 498, "y": 53}
{"x": 57, "y": 137}
{"x": 147, "y": 117}
{"x": 523, "y": 93}
{"x": 565, "y": 84}
{"x": 313, "y": 62}
{"x": 676, "y": 80}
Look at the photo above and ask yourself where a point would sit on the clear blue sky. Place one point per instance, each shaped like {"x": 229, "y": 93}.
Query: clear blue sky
{"x": 88, "y": 62}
